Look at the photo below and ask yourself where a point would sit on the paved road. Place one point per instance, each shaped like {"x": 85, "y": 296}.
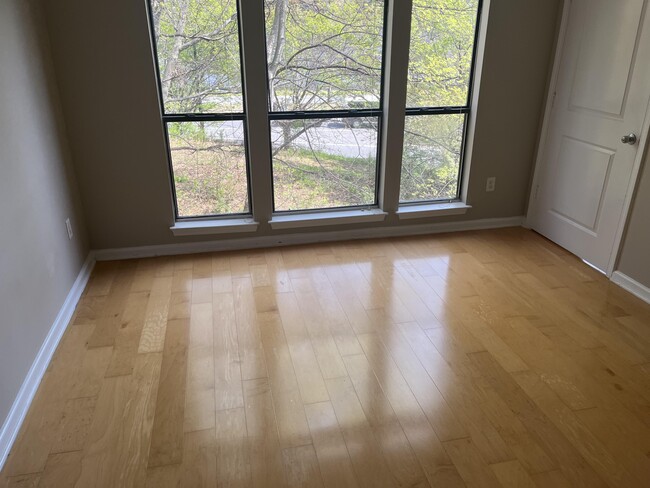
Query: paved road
{"x": 345, "y": 142}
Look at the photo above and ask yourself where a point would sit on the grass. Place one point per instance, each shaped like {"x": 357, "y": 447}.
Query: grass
{"x": 304, "y": 179}
{"x": 214, "y": 181}
{"x": 209, "y": 182}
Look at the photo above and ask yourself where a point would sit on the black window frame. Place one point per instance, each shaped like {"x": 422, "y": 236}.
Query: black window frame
{"x": 202, "y": 117}
{"x": 465, "y": 110}
{"x": 256, "y": 171}
{"x": 333, "y": 114}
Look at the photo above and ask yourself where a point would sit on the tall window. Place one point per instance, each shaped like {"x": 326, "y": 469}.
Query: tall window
{"x": 203, "y": 107}
{"x": 325, "y": 91}
{"x": 324, "y": 69}
{"x": 437, "y": 101}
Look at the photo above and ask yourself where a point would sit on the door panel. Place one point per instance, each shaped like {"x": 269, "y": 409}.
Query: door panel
{"x": 607, "y": 48}
{"x": 581, "y": 165}
{"x": 602, "y": 93}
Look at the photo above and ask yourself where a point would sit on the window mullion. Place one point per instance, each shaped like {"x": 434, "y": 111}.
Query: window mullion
{"x": 256, "y": 95}
{"x": 398, "y": 32}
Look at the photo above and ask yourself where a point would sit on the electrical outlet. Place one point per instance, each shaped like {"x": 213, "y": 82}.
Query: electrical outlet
{"x": 491, "y": 183}
{"x": 68, "y": 226}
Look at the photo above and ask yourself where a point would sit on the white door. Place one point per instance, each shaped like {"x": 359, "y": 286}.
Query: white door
{"x": 585, "y": 170}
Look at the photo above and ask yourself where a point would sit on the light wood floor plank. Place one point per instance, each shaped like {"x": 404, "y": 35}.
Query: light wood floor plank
{"x": 461, "y": 396}
{"x": 278, "y": 275}
{"x": 227, "y": 366}
{"x": 425, "y": 443}
{"x": 511, "y": 474}
{"x": 302, "y": 468}
{"x": 486, "y": 358}
{"x": 127, "y": 338}
{"x": 441, "y": 417}
{"x": 200, "y": 396}
{"x": 308, "y": 373}
{"x": 167, "y": 433}
{"x": 75, "y": 424}
{"x": 199, "y": 459}
{"x": 388, "y": 431}
{"x": 41, "y": 426}
{"x": 221, "y": 274}
{"x": 233, "y": 462}
{"x": 327, "y": 353}
{"x": 576, "y": 432}
{"x": 471, "y": 466}
{"x": 251, "y": 353}
{"x": 118, "y": 444}
{"x": 22, "y": 481}
{"x": 289, "y": 412}
{"x": 337, "y": 320}
{"x": 367, "y": 459}
{"x": 108, "y": 323}
{"x": 550, "y": 438}
{"x": 152, "y": 338}
{"x": 551, "y": 479}
{"x": 62, "y": 470}
{"x": 266, "y": 463}
{"x": 332, "y": 454}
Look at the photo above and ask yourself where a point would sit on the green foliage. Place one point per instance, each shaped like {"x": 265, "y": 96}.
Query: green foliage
{"x": 322, "y": 54}
{"x": 305, "y": 179}
{"x": 331, "y": 56}
{"x": 431, "y": 158}
{"x": 440, "y": 56}
{"x": 198, "y": 54}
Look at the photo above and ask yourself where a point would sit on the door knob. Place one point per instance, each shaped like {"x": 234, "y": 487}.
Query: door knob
{"x": 629, "y": 139}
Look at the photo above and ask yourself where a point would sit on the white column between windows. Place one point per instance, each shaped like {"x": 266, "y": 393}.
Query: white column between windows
{"x": 398, "y": 36}
{"x": 253, "y": 44}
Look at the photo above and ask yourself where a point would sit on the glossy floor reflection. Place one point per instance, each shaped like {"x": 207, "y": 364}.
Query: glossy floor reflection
{"x": 488, "y": 358}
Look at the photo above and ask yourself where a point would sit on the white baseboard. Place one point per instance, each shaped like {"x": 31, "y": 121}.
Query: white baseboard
{"x": 28, "y": 389}
{"x": 633, "y": 286}
{"x": 302, "y": 238}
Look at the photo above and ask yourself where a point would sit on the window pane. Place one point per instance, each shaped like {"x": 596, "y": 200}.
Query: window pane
{"x": 209, "y": 163}
{"x": 440, "y": 57}
{"x": 324, "y": 54}
{"x": 198, "y": 55}
{"x": 324, "y": 163}
{"x": 431, "y": 160}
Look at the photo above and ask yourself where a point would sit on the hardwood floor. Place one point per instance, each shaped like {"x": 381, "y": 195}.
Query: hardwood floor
{"x": 488, "y": 358}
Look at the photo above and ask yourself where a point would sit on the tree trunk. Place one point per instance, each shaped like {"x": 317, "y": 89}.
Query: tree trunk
{"x": 286, "y": 131}
{"x": 277, "y": 42}
{"x": 172, "y": 58}
{"x": 156, "y": 11}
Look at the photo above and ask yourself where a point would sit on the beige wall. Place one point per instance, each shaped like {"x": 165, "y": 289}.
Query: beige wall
{"x": 38, "y": 263}
{"x": 635, "y": 254}
{"x": 105, "y": 70}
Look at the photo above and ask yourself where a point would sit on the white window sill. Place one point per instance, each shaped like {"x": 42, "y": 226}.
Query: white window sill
{"x": 334, "y": 217}
{"x": 432, "y": 210}
{"x": 217, "y": 226}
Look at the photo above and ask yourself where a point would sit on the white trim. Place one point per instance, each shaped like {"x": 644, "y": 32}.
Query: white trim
{"x": 334, "y": 217}
{"x": 215, "y": 226}
{"x": 28, "y": 389}
{"x": 629, "y": 195}
{"x": 475, "y": 105}
{"x": 634, "y": 287}
{"x": 254, "y": 242}
{"x": 432, "y": 210}
{"x": 530, "y": 219}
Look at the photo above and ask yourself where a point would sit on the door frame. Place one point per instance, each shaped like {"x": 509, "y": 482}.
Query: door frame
{"x": 543, "y": 142}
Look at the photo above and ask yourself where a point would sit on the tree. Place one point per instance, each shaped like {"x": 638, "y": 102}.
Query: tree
{"x": 198, "y": 54}
{"x": 322, "y": 55}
